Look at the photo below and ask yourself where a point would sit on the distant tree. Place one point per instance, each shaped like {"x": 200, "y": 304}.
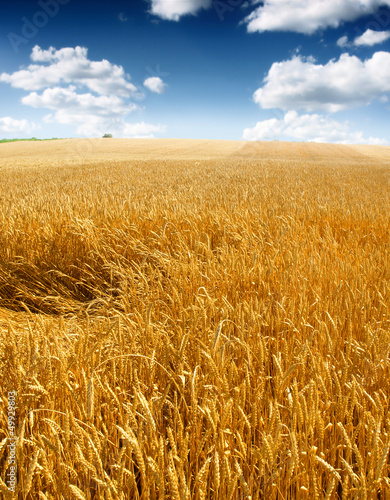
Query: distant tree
{"x": 109, "y": 136}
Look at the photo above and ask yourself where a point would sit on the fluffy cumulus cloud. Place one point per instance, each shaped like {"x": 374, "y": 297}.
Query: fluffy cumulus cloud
{"x": 59, "y": 98}
{"x": 302, "y": 16}
{"x": 371, "y": 37}
{"x": 307, "y": 17}
{"x": 98, "y": 126}
{"x": 89, "y": 112}
{"x": 71, "y": 66}
{"x": 343, "y": 41}
{"x": 94, "y": 96}
{"x": 302, "y": 84}
{"x": 142, "y": 130}
{"x": 9, "y": 125}
{"x": 155, "y": 84}
{"x": 93, "y": 115}
{"x": 173, "y": 10}
{"x": 309, "y": 127}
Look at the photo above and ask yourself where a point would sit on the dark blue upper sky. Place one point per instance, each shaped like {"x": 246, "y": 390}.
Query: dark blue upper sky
{"x": 219, "y": 69}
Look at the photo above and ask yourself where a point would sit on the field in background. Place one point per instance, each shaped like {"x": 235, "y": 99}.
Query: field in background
{"x": 2, "y": 141}
{"x": 195, "y": 319}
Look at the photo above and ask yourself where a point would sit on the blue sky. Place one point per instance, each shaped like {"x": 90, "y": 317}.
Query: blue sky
{"x": 300, "y": 70}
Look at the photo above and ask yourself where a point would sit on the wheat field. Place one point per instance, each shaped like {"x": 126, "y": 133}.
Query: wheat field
{"x": 195, "y": 320}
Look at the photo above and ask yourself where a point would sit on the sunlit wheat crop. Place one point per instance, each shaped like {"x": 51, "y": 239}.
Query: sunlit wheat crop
{"x": 210, "y": 325}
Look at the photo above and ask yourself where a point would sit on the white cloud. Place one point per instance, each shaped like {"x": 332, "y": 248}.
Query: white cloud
{"x": 308, "y": 16}
{"x": 316, "y": 128}
{"x": 9, "y": 125}
{"x": 301, "y": 84}
{"x": 66, "y": 99}
{"x": 173, "y": 10}
{"x": 343, "y": 41}
{"x": 371, "y": 38}
{"x": 155, "y": 84}
{"x": 98, "y": 126}
{"x": 88, "y": 111}
{"x": 267, "y": 130}
{"x": 71, "y": 66}
{"x": 93, "y": 115}
{"x": 93, "y": 96}
{"x": 141, "y": 130}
